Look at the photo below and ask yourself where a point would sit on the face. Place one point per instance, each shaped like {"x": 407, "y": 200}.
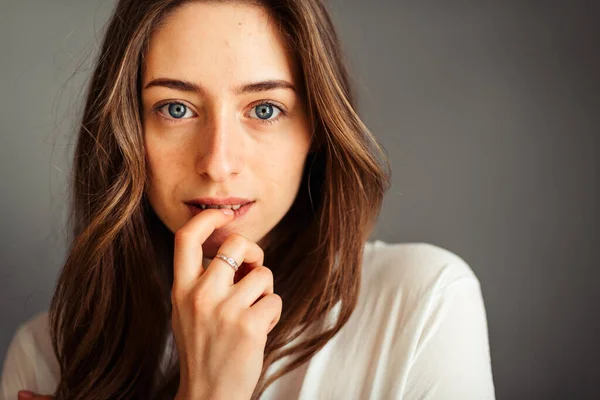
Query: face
{"x": 223, "y": 117}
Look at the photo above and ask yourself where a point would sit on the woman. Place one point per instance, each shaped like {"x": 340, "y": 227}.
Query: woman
{"x": 224, "y": 190}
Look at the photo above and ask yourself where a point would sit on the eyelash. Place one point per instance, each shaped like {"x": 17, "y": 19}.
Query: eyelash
{"x": 282, "y": 113}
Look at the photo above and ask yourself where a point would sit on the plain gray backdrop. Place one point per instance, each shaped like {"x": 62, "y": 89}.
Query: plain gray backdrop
{"x": 489, "y": 112}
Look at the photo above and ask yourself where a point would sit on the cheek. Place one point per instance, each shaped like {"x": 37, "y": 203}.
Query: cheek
{"x": 164, "y": 148}
{"x": 284, "y": 169}
{"x": 164, "y": 165}
{"x": 156, "y": 160}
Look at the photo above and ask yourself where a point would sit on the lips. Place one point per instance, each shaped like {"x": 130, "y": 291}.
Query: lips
{"x": 195, "y": 209}
{"x": 216, "y": 201}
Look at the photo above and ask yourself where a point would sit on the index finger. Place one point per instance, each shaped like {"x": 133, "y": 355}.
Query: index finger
{"x": 187, "y": 255}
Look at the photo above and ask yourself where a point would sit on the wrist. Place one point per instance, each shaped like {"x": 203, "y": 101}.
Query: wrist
{"x": 199, "y": 392}
{"x": 187, "y": 393}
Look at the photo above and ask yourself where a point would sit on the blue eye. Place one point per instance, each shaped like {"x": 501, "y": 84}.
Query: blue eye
{"x": 175, "y": 110}
{"x": 265, "y": 111}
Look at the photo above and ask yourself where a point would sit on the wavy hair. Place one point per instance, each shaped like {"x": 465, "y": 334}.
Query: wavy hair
{"x": 110, "y": 314}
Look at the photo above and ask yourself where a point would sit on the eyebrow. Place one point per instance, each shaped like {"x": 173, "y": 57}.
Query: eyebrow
{"x": 186, "y": 86}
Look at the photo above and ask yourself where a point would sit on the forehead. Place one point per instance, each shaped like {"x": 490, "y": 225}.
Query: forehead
{"x": 219, "y": 45}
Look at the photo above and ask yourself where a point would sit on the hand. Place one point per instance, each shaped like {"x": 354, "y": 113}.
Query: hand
{"x": 220, "y": 327}
{"x": 28, "y": 395}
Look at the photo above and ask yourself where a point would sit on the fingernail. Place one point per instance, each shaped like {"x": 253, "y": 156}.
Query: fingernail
{"x": 226, "y": 211}
{"x": 26, "y": 394}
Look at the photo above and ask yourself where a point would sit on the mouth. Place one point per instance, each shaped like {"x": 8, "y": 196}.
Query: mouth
{"x": 238, "y": 209}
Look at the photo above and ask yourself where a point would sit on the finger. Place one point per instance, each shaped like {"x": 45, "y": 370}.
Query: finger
{"x": 239, "y": 248}
{"x": 252, "y": 287}
{"x": 187, "y": 255}
{"x": 267, "y": 311}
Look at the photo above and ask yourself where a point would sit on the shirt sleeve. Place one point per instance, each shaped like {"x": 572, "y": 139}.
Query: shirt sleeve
{"x": 452, "y": 356}
{"x": 18, "y": 372}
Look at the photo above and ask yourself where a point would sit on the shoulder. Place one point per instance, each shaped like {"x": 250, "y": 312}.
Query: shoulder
{"x": 30, "y": 362}
{"x": 38, "y": 327}
{"x": 32, "y": 337}
{"x": 417, "y": 269}
{"x": 429, "y": 301}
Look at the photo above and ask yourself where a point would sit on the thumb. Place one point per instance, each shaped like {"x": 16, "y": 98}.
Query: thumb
{"x": 29, "y": 395}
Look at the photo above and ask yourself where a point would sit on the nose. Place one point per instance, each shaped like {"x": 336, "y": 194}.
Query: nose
{"x": 221, "y": 148}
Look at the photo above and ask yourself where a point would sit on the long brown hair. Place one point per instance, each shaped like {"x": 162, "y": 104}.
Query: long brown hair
{"x": 110, "y": 314}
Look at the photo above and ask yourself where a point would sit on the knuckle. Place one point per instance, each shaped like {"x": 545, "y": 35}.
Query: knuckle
{"x": 199, "y": 303}
{"x": 236, "y": 239}
{"x": 181, "y": 236}
{"x": 277, "y": 301}
{"x": 248, "y": 326}
{"x": 265, "y": 273}
{"x": 177, "y": 287}
{"x": 277, "y": 298}
{"x": 177, "y": 294}
{"x": 275, "y": 304}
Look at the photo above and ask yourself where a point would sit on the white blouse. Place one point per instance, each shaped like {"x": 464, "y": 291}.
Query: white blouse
{"x": 419, "y": 331}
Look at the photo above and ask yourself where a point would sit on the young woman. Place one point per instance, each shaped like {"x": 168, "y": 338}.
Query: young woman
{"x": 224, "y": 189}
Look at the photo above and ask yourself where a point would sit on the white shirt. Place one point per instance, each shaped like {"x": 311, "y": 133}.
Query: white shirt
{"x": 419, "y": 331}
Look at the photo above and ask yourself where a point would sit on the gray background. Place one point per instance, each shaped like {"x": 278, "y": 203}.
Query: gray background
{"x": 489, "y": 112}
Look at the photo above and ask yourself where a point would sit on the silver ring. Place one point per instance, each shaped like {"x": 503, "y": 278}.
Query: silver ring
{"x": 228, "y": 260}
